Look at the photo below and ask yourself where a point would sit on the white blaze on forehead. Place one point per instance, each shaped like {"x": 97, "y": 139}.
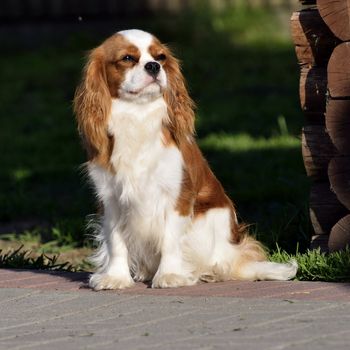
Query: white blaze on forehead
{"x": 142, "y": 40}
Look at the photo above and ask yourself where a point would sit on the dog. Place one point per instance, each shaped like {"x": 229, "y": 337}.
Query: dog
{"x": 166, "y": 218}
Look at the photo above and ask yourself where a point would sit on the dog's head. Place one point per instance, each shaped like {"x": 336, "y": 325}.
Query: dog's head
{"x": 132, "y": 66}
{"x": 134, "y": 63}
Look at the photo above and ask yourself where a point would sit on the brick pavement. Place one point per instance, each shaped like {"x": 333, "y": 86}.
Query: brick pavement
{"x": 44, "y": 310}
{"x": 264, "y": 289}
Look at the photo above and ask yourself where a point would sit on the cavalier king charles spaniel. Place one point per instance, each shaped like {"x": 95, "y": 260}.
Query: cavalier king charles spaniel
{"x": 165, "y": 216}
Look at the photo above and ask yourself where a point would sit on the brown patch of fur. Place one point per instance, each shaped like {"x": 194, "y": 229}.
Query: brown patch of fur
{"x": 92, "y": 104}
{"x": 156, "y": 49}
{"x": 167, "y": 138}
{"x": 102, "y": 76}
{"x": 116, "y": 47}
{"x": 186, "y": 199}
{"x": 201, "y": 190}
{"x": 180, "y": 105}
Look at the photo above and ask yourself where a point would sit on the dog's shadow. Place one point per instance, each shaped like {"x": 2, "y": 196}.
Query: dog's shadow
{"x": 61, "y": 280}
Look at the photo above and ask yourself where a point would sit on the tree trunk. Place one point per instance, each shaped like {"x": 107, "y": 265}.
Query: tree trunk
{"x": 338, "y": 124}
{"x": 317, "y": 150}
{"x": 325, "y": 208}
{"x": 313, "y": 40}
{"x": 313, "y": 87}
{"x": 339, "y": 178}
{"x": 336, "y": 15}
{"x": 339, "y": 72}
{"x": 340, "y": 235}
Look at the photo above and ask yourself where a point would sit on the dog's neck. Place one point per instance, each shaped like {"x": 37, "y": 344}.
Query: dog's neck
{"x": 137, "y": 130}
{"x": 132, "y": 112}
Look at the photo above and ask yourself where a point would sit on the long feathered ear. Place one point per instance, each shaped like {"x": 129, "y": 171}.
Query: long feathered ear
{"x": 180, "y": 105}
{"x": 92, "y": 104}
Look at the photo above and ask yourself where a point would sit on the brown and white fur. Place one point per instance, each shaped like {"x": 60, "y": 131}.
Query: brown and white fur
{"x": 166, "y": 218}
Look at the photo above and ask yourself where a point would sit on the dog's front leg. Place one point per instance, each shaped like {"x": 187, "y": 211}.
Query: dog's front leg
{"x": 172, "y": 270}
{"x": 112, "y": 257}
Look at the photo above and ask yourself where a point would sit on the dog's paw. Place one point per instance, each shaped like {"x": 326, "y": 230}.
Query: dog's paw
{"x": 143, "y": 274}
{"x": 171, "y": 280}
{"x": 99, "y": 281}
{"x": 142, "y": 277}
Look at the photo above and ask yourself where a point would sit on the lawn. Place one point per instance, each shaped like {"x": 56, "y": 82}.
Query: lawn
{"x": 241, "y": 71}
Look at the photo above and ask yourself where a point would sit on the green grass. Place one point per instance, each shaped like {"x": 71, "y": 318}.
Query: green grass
{"x": 241, "y": 71}
{"x": 317, "y": 266}
{"x": 55, "y": 241}
{"x": 21, "y": 259}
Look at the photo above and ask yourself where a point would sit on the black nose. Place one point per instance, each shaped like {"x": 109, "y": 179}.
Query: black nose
{"x": 152, "y": 68}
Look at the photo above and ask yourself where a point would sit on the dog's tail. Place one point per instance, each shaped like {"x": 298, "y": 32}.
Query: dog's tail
{"x": 250, "y": 263}
{"x": 247, "y": 261}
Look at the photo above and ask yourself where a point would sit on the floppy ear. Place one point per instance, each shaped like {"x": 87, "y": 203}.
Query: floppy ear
{"x": 92, "y": 104}
{"x": 180, "y": 105}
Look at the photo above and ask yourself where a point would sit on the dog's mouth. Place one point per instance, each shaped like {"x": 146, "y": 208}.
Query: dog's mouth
{"x": 154, "y": 81}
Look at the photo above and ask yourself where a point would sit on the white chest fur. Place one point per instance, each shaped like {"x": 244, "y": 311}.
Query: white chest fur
{"x": 143, "y": 164}
{"x": 137, "y": 133}
{"x": 148, "y": 174}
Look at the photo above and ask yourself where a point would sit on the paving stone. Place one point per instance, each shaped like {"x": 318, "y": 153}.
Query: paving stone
{"x": 65, "y": 281}
{"x": 102, "y": 320}
{"x": 56, "y": 311}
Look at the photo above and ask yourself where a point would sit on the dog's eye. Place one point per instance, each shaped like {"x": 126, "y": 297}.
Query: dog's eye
{"x": 160, "y": 57}
{"x": 129, "y": 58}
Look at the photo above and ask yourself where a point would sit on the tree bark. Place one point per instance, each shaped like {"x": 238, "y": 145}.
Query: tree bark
{"x": 338, "y": 124}
{"x": 339, "y": 178}
{"x": 339, "y": 72}
{"x": 336, "y": 15}
{"x": 314, "y": 42}
{"x": 312, "y": 89}
{"x": 325, "y": 208}
{"x": 317, "y": 150}
{"x": 340, "y": 235}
